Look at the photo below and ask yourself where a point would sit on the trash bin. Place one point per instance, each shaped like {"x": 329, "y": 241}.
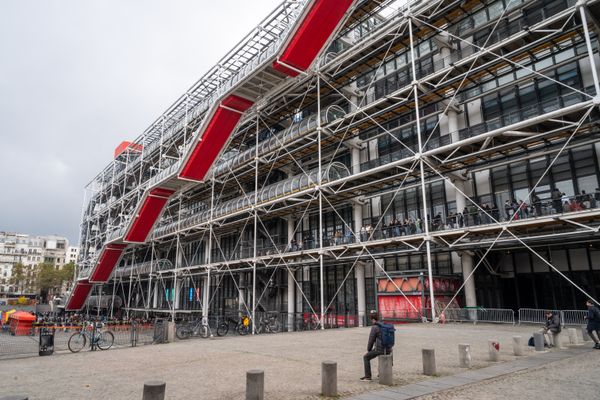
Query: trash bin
{"x": 160, "y": 330}
{"x": 46, "y": 342}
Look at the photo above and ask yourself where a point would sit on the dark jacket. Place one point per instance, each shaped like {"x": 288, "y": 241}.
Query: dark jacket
{"x": 553, "y": 323}
{"x": 375, "y": 340}
{"x": 593, "y": 319}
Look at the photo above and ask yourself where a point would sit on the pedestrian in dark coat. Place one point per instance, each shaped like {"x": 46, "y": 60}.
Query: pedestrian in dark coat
{"x": 593, "y": 322}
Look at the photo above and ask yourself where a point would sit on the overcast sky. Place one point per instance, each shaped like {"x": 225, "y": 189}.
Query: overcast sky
{"x": 78, "y": 77}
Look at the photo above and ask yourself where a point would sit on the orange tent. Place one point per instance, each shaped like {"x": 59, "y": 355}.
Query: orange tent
{"x": 20, "y": 323}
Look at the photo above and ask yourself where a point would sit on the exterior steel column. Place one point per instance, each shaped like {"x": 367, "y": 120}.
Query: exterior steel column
{"x": 356, "y": 206}
{"x": 206, "y": 291}
{"x": 422, "y": 172}
{"x": 205, "y": 296}
{"x": 467, "y": 268}
{"x": 291, "y": 284}
{"x": 242, "y": 294}
{"x": 320, "y": 181}
{"x": 360, "y": 292}
{"x": 155, "y": 295}
{"x": 291, "y": 299}
{"x": 255, "y": 210}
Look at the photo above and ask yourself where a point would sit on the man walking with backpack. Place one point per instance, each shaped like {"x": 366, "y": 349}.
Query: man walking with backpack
{"x": 381, "y": 341}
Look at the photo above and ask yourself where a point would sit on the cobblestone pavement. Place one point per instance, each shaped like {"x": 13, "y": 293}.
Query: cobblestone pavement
{"x": 215, "y": 369}
{"x": 574, "y": 378}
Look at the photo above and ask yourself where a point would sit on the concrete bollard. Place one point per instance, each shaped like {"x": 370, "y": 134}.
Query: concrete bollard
{"x": 585, "y": 335}
{"x": 573, "y": 338}
{"x": 429, "y": 362}
{"x": 386, "y": 373}
{"x": 255, "y": 384}
{"x": 154, "y": 390}
{"x": 464, "y": 355}
{"x": 329, "y": 378}
{"x": 517, "y": 346}
{"x": 558, "y": 340}
{"x": 494, "y": 349}
{"x": 538, "y": 340}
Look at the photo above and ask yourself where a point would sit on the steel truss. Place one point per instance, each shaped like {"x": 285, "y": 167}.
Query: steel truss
{"x": 283, "y": 160}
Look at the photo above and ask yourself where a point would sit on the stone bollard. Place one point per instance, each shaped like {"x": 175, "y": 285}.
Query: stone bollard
{"x": 329, "y": 378}
{"x": 464, "y": 355}
{"x": 573, "y": 338}
{"x": 15, "y": 397}
{"x": 494, "y": 349}
{"x": 517, "y": 346}
{"x": 154, "y": 390}
{"x": 386, "y": 373}
{"x": 538, "y": 340}
{"x": 255, "y": 384}
{"x": 558, "y": 340}
{"x": 585, "y": 335}
{"x": 429, "y": 362}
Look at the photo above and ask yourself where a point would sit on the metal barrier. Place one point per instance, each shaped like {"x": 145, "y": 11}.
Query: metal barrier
{"x": 475, "y": 315}
{"x": 125, "y": 335}
{"x": 573, "y": 317}
{"x": 495, "y": 315}
{"x": 533, "y": 315}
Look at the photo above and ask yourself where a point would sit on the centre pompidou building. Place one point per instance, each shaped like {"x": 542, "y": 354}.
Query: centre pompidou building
{"x": 409, "y": 157}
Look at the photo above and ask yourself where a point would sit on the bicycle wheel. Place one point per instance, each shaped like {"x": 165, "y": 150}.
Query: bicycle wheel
{"x": 275, "y": 326}
{"x": 105, "y": 340}
{"x": 77, "y": 342}
{"x": 242, "y": 330}
{"x": 222, "y": 329}
{"x": 183, "y": 332}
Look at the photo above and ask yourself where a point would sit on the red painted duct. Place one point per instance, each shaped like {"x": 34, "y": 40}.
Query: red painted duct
{"x": 106, "y": 264}
{"x": 312, "y": 34}
{"x": 79, "y": 295}
{"x": 149, "y": 211}
{"x": 217, "y": 132}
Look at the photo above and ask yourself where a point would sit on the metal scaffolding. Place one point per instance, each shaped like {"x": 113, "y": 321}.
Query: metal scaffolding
{"x": 407, "y": 75}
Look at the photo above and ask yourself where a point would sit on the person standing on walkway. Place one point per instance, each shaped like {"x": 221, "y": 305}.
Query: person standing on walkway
{"x": 375, "y": 346}
{"x": 593, "y": 322}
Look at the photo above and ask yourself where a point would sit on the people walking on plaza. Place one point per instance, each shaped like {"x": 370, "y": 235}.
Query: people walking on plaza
{"x": 593, "y": 322}
{"x": 552, "y": 327}
{"x": 375, "y": 345}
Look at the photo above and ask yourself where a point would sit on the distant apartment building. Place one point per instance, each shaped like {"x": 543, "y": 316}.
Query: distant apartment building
{"x": 29, "y": 250}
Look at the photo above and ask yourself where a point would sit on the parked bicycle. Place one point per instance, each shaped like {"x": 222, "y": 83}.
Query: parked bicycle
{"x": 103, "y": 339}
{"x": 193, "y": 328}
{"x": 269, "y": 324}
{"x": 307, "y": 322}
{"x": 241, "y": 326}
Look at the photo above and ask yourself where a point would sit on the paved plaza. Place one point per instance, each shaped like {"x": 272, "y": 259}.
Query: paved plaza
{"x": 215, "y": 369}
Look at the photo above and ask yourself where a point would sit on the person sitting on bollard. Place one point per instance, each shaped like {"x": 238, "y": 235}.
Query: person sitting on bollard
{"x": 552, "y": 327}
{"x": 379, "y": 343}
{"x": 593, "y": 322}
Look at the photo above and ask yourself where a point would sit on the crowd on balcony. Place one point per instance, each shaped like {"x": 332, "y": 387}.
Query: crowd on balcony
{"x": 471, "y": 215}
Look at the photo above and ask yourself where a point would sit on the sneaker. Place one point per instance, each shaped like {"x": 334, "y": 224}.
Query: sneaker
{"x": 365, "y": 378}
{"x": 597, "y": 346}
